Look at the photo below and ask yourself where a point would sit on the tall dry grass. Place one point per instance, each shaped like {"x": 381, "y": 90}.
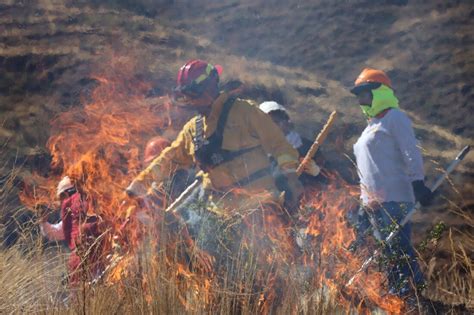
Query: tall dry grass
{"x": 450, "y": 269}
{"x": 154, "y": 279}
{"x": 158, "y": 280}
{"x": 152, "y": 284}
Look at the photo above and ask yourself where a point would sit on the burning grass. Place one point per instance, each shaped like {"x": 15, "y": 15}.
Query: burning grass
{"x": 100, "y": 146}
{"x": 158, "y": 278}
{"x": 246, "y": 262}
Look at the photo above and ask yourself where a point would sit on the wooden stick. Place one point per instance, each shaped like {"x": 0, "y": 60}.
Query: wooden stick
{"x": 315, "y": 146}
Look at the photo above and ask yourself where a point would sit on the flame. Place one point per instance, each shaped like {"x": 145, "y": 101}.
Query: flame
{"x": 100, "y": 144}
{"x": 331, "y": 235}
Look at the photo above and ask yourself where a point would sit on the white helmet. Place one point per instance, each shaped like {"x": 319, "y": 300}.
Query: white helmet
{"x": 271, "y": 106}
{"x": 64, "y": 184}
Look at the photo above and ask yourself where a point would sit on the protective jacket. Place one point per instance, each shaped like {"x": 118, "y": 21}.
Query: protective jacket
{"x": 249, "y": 137}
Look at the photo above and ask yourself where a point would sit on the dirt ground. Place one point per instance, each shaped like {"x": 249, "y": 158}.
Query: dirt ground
{"x": 303, "y": 54}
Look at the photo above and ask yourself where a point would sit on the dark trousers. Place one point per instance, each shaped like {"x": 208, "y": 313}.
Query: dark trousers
{"x": 399, "y": 256}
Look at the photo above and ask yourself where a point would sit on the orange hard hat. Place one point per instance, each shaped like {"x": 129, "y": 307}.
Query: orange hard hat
{"x": 154, "y": 147}
{"x": 369, "y": 79}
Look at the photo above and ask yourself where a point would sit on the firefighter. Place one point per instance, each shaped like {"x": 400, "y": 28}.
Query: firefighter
{"x": 229, "y": 140}
{"x": 391, "y": 174}
{"x": 280, "y": 117}
{"x": 79, "y": 229}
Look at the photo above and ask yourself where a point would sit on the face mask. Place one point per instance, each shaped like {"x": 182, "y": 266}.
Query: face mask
{"x": 382, "y": 98}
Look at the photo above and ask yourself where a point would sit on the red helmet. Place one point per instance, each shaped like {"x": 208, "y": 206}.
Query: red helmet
{"x": 153, "y": 148}
{"x": 193, "y": 75}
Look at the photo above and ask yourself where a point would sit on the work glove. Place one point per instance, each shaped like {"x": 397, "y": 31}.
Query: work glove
{"x": 43, "y": 226}
{"x": 136, "y": 189}
{"x": 293, "y": 192}
{"x": 422, "y": 193}
{"x": 312, "y": 168}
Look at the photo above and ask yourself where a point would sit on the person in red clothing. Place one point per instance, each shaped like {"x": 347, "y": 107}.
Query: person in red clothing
{"x": 79, "y": 229}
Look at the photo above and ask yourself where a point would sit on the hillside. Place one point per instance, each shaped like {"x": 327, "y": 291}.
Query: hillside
{"x": 426, "y": 46}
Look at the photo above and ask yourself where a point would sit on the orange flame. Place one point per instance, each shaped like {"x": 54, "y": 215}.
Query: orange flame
{"x": 331, "y": 234}
{"x": 99, "y": 145}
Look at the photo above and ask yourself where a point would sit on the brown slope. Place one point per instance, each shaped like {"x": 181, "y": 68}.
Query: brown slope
{"x": 49, "y": 52}
{"x": 426, "y": 46}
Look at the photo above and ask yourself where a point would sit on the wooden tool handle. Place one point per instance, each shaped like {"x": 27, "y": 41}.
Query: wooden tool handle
{"x": 319, "y": 140}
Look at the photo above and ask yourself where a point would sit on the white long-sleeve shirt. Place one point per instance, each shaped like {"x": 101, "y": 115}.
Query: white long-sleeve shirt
{"x": 388, "y": 159}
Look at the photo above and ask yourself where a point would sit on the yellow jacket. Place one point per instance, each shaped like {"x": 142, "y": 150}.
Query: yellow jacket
{"x": 246, "y": 127}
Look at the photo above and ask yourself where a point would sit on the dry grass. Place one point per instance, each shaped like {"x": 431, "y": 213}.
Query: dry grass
{"x": 31, "y": 275}
{"x": 450, "y": 270}
{"x": 153, "y": 284}
{"x": 158, "y": 281}
{"x": 155, "y": 280}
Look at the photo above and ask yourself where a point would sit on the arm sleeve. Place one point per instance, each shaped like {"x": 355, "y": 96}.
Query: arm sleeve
{"x": 176, "y": 156}
{"x": 273, "y": 141}
{"x": 402, "y": 131}
{"x": 53, "y": 232}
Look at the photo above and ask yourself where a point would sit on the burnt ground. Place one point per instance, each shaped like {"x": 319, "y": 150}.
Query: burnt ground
{"x": 303, "y": 54}
{"x": 426, "y": 46}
